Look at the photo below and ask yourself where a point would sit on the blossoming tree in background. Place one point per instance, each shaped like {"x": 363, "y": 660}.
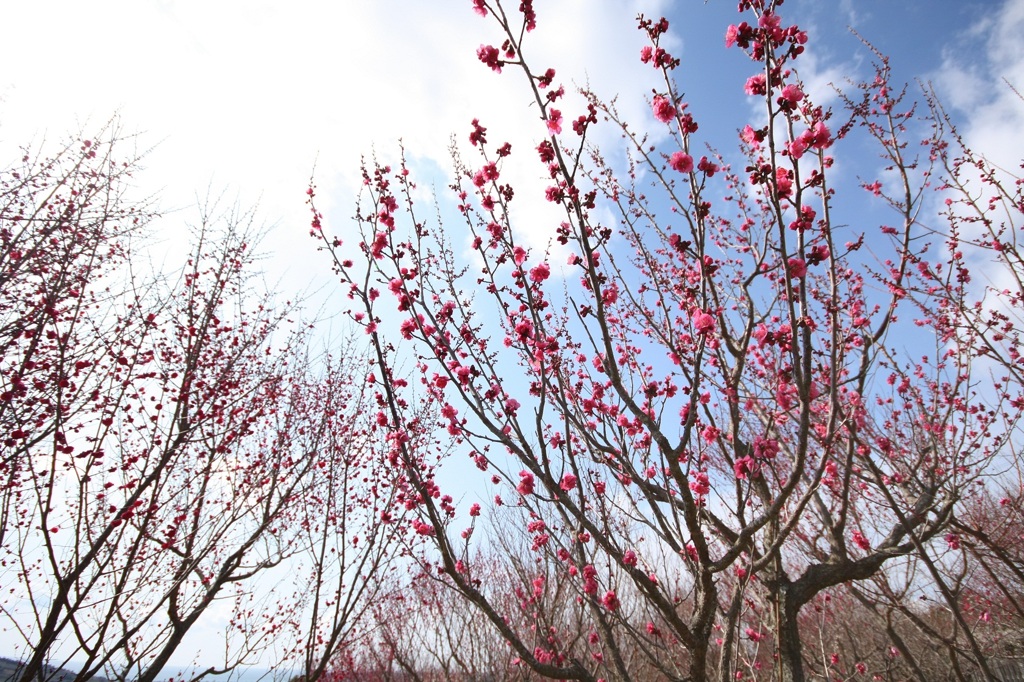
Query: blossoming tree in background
{"x": 166, "y": 440}
{"x": 732, "y": 413}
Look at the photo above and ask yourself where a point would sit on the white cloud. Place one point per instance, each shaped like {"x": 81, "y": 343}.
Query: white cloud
{"x": 249, "y": 95}
{"x": 975, "y": 79}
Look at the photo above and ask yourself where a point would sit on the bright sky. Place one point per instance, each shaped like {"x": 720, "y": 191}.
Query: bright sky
{"x": 247, "y": 96}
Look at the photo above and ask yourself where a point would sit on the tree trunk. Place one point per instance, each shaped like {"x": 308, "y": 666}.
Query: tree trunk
{"x": 789, "y": 652}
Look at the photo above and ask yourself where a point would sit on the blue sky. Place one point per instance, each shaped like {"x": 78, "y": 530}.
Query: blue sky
{"x": 246, "y": 96}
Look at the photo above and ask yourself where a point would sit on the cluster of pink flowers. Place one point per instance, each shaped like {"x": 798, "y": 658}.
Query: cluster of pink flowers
{"x": 490, "y": 56}
{"x": 663, "y": 109}
{"x": 525, "y": 486}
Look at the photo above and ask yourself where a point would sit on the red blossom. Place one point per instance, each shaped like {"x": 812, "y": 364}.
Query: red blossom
{"x": 490, "y": 56}
{"x": 479, "y": 134}
{"x": 525, "y": 486}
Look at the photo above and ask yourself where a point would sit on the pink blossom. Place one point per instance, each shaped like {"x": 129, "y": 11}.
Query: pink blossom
{"x": 610, "y": 294}
{"x": 589, "y": 581}
{"x": 820, "y": 137}
{"x": 797, "y": 268}
{"x": 783, "y": 181}
{"x": 525, "y": 486}
{"x": 540, "y": 272}
{"x": 663, "y": 109}
{"x": 766, "y": 448}
{"x": 524, "y": 330}
{"x": 422, "y": 528}
{"x": 700, "y": 486}
{"x": 703, "y": 322}
{"x": 751, "y": 137}
{"x": 610, "y": 600}
{"x": 490, "y": 56}
{"x": 554, "y": 194}
{"x": 681, "y": 162}
{"x": 479, "y": 134}
{"x": 479, "y": 7}
{"x": 519, "y": 255}
{"x": 709, "y": 168}
{"x": 529, "y": 16}
{"x": 629, "y": 558}
{"x": 797, "y": 147}
{"x": 710, "y": 434}
{"x": 792, "y": 94}
{"x": 769, "y": 21}
{"x": 646, "y": 54}
{"x": 546, "y": 151}
{"x": 554, "y": 121}
{"x": 731, "y": 35}
{"x": 474, "y": 509}
{"x": 744, "y": 467}
{"x": 861, "y": 541}
{"x": 568, "y": 482}
{"x": 756, "y": 85}
{"x": 772, "y": 25}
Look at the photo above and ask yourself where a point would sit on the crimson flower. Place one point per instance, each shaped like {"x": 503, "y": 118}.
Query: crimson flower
{"x": 490, "y": 56}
